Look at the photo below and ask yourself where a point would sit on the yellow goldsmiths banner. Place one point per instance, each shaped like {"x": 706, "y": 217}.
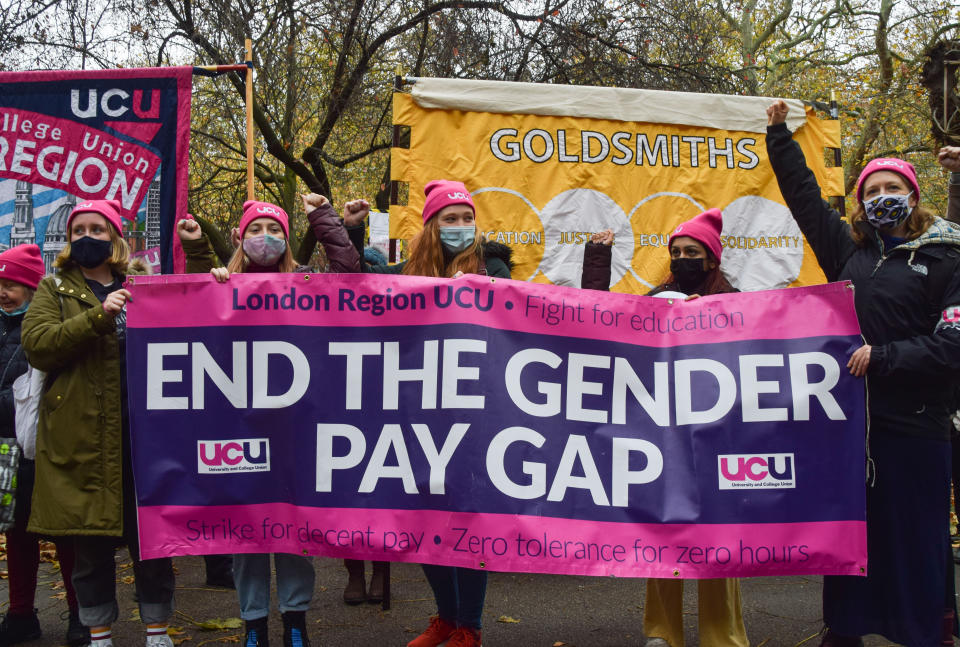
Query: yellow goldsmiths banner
{"x": 543, "y": 183}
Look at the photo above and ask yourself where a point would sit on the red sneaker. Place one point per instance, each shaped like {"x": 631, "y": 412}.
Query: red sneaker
{"x": 438, "y": 632}
{"x": 465, "y": 637}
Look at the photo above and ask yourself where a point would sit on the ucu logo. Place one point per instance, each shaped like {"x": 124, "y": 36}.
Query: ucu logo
{"x": 951, "y": 314}
{"x": 269, "y": 210}
{"x": 244, "y": 455}
{"x": 114, "y": 103}
{"x": 458, "y": 196}
{"x": 738, "y": 471}
{"x": 889, "y": 162}
{"x": 85, "y": 205}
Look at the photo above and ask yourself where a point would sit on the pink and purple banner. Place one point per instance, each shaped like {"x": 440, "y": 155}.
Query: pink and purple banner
{"x": 71, "y": 136}
{"x": 498, "y": 424}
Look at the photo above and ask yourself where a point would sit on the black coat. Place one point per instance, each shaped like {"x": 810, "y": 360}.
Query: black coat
{"x": 905, "y": 299}
{"x": 13, "y": 364}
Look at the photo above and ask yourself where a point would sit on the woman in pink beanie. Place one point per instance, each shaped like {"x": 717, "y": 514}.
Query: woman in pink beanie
{"x": 264, "y": 247}
{"x": 904, "y": 263}
{"x": 448, "y": 245}
{"x": 75, "y": 331}
{"x": 695, "y": 253}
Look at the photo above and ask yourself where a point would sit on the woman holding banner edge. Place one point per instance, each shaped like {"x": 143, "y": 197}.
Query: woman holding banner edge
{"x": 695, "y": 253}
{"x": 75, "y": 331}
{"x": 904, "y": 263}
{"x": 449, "y": 245}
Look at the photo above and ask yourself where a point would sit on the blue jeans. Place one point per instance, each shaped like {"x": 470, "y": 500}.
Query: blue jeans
{"x": 251, "y": 574}
{"x": 459, "y": 592}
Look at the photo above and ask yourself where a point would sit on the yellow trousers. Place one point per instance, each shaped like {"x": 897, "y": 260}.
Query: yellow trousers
{"x": 720, "y": 614}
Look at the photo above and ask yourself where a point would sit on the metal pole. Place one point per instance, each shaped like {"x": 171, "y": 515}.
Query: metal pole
{"x": 249, "y": 60}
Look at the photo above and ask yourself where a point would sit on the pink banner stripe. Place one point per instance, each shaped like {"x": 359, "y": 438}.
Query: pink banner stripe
{"x": 67, "y": 75}
{"x": 510, "y": 542}
{"x": 348, "y": 300}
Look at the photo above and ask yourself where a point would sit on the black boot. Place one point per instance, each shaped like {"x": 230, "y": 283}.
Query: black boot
{"x": 77, "y": 634}
{"x": 219, "y": 570}
{"x": 377, "y": 582}
{"x": 295, "y": 629}
{"x": 256, "y": 631}
{"x": 19, "y": 629}
{"x": 831, "y": 639}
{"x": 355, "y": 591}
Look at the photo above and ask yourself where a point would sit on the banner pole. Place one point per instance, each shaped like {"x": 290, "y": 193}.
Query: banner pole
{"x": 249, "y": 60}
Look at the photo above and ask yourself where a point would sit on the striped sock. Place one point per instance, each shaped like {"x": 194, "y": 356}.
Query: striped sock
{"x": 101, "y": 638}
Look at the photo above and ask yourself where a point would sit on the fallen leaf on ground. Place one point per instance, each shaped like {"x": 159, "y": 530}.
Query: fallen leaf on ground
{"x": 220, "y": 624}
{"x": 508, "y": 619}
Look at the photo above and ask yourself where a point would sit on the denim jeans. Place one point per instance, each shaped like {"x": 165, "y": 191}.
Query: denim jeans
{"x": 251, "y": 574}
{"x": 459, "y": 592}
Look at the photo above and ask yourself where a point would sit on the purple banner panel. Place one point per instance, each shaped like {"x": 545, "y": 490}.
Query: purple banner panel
{"x": 498, "y": 424}
{"x": 76, "y": 135}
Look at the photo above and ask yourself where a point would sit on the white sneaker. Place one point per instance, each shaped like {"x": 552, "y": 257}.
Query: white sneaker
{"x": 656, "y": 642}
{"x": 159, "y": 640}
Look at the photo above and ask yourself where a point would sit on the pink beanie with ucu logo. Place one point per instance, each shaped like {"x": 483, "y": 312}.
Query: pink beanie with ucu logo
{"x": 253, "y": 210}
{"x": 894, "y": 164}
{"x": 443, "y": 193}
{"x": 109, "y": 209}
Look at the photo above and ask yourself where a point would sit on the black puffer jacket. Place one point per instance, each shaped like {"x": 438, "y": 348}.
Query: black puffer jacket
{"x": 13, "y": 364}
{"x": 907, "y": 300}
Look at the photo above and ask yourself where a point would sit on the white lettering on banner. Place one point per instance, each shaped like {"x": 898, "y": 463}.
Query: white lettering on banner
{"x": 391, "y": 437}
{"x": 426, "y": 374}
{"x": 539, "y": 145}
{"x": 589, "y": 388}
{"x": 576, "y": 450}
{"x": 656, "y": 406}
{"x": 234, "y": 389}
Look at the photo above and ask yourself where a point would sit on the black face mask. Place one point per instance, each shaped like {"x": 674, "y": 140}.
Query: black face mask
{"x": 690, "y": 273}
{"x": 90, "y": 252}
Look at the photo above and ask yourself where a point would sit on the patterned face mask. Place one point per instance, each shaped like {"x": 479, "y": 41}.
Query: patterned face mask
{"x": 264, "y": 250}
{"x": 887, "y": 211}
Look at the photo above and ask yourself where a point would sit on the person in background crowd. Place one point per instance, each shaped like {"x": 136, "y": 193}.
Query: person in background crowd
{"x": 904, "y": 263}
{"x": 695, "y": 253}
{"x": 949, "y": 158}
{"x": 449, "y": 245}
{"x": 75, "y": 330}
{"x": 264, "y": 234}
{"x": 21, "y": 269}
{"x": 373, "y": 256}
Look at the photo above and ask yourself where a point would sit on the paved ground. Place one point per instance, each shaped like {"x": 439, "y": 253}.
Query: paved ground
{"x": 521, "y": 610}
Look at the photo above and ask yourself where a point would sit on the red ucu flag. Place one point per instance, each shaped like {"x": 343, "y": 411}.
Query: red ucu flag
{"x": 738, "y": 471}
{"x": 244, "y": 455}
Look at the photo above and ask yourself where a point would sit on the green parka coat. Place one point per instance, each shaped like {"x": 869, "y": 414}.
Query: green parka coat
{"x": 79, "y": 482}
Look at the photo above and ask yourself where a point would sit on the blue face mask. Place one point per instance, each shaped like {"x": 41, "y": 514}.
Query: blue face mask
{"x": 19, "y": 311}
{"x": 457, "y": 239}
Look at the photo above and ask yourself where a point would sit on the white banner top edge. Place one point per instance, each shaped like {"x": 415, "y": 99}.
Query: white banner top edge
{"x": 720, "y": 111}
